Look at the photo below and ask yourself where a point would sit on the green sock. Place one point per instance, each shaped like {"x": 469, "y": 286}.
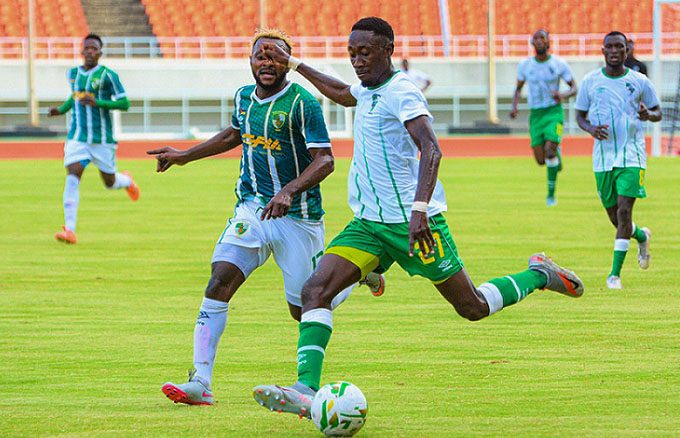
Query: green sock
{"x": 638, "y": 234}
{"x": 553, "y": 168}
{"x": 514, "y": 288}
{"x": 314, "y": 337}
{"x": 620, "y": 251}
{"x": 559, "y": 157}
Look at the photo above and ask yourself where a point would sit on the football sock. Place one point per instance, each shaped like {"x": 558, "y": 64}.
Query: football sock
{"x": 342, "y": 296}
{"x": 553, "y": 165}
{"x": 508, "y": 290}
{"x": 620, "y": 251}
{"x": 71, "y": 199}
{"x": 121, "y": 182}
{"x": 315, "y": 332}
{"x": 559, "y": 157}
{"x": 638, "y": 234}
{"x": 212, "y": 318}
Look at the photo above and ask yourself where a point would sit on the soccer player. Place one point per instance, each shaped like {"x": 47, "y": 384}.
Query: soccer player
{"x": 631, "y": 61}
{"x": 420, "y": 78}
{"x": 611, "y": 106}
{"x": 95, "y": 91}
{"x": 546, "y": 122}
{"x": 398, "y": 204}
{"x": 286, "y": 154}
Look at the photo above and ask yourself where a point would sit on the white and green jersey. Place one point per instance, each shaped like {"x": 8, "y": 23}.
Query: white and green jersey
{"x": 89, "y": 124}
{"x": 543, "y": 77}
{"x": 277, "y": 133}
{"x": 615, "y": 102}
{"x": 384, "y": 173}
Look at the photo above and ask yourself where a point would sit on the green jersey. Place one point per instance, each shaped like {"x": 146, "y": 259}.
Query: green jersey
{"x": 93, "y": 124}
{"x": 277, "y": 133}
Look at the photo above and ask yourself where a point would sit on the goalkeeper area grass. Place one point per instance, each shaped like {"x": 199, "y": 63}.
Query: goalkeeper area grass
{"x": 90, "y": 332}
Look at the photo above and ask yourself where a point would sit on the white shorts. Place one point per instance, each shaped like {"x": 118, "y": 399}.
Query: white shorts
{"x": 102, "y": 155}
{"x": 247, "y": 242}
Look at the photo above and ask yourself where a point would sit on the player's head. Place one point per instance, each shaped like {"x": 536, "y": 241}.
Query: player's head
{"x": 614, "y": 48}
{"x": 541, "y": 41}
{"x": 268, "y": 74}
{"x": 371, "y": 44}
{"x": 404, "y": 64}
{"x": 92, "y": 49}
{"x": 630, "y": 49}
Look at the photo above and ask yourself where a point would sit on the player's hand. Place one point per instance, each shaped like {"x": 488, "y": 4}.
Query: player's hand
{"x": 420, "y": 234}
{"x": 87, "y": 99}
{"x": 513, "y": 113}
{"x": 52, "y": 112}
{"x": 643, "y": 112}
{"x": 599, "y": 132}
{"x": 557, "y": 97}
{"x": 277, "y": 207}
{"x": 166, "y": 157}
{"x": 275, "y": 53}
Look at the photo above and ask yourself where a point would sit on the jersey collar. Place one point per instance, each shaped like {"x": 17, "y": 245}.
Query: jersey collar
{"x": 270, "y": 98}
{"x": 375, "y": 87}
{"x": 88, "y": 72}
{"x": 543, "y": 62}
{"x": 615, "y": 77}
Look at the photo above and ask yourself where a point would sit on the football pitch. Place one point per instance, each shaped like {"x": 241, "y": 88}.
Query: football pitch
{"x": 90, "y": 332}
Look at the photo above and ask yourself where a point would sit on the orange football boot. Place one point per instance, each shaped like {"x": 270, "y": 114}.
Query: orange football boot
{"x": 66, "y": 235}
{"x": 132, "y": 190}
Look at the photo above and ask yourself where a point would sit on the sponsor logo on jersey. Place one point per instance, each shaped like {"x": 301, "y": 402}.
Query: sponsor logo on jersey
{"x": 445, "y": 265}
{"x": 279, "y": 119}
{"x": 267, "y": 143}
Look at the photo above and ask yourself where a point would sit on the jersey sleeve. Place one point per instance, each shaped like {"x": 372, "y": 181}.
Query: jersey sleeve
{"x": 237, "y": 108}
{"x": 565, "y": 71}
{"x": 313, "y": 124}
{"x": 407, "y": 102}
{"x": 521, "y": 74}
{"x": 583, "y": 98}
{"x": 649, "y": 97}
{"x": 354, "y": 90}
{"x": 117, "y": 90}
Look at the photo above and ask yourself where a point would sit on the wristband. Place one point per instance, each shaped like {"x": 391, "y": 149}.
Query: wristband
{"x": 419, "y": 206}
{"x": 293, "y": 63}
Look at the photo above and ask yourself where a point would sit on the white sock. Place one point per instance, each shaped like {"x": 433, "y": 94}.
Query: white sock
{"x": 342, "y": 296}
{"x": 71, "y": 199}
{"x": 552, "y": 162}
{"x": 621, "y": 244}
{"x": 122, "y": 181}
{"x": 210, "y": 324}
{"x": 492, "y": 296}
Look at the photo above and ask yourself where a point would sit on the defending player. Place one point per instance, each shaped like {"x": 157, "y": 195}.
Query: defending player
{"x": 398, "y": 204}
{"x": 546, "y": 122}
{"x": 286, "y": 154}
{"x": 95, "y": 91}
{"x": 611, "y": 106}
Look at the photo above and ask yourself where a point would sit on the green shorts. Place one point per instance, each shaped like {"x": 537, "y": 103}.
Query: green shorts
{"x": 546, "y": 124}
{"x": 624, "y": 181}
{"x": 374, "y": 246}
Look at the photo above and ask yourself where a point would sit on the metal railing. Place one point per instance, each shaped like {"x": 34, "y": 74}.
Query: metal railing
{"x": 460, "y": 46}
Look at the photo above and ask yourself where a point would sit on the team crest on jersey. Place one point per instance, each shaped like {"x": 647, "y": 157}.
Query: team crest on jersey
{"x": 630, "y": 88}
{"x": 374, "y": 103}
{"x": 279, "y": 119}
{"x": 241, "y": 228}
{"x": 95, "y": 83}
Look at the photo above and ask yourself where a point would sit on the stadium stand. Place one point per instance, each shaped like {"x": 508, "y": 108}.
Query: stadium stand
{"x": 54, "y": 18}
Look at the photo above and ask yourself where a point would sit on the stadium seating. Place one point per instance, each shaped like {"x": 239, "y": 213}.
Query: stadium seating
{"x": 53, "y": 18}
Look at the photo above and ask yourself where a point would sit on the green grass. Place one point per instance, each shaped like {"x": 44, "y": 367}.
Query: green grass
{"x": 89, "y": 333}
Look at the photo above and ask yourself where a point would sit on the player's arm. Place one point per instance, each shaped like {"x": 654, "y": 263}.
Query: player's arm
{"x": 222, "y": 142}
{"x": 321, "y": 166}
{"x": 515, "y": 98}
{"x": 420, "y": 130}
{"x": 63, "y": 109}
{"x": 428, "y": 83}
{"x": 651, "y": 114}
{"x": 121, "y": 104}
{"x": 561, "y": 97}
{"x": 332, "y": 88}
{"x": 599, "y": 132}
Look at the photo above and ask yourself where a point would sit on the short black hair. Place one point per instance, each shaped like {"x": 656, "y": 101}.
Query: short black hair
{"x": 375, "y": 25}
{"x": 94, "y": 36}
{"x": 614, "y": 33}
{"x": 547, "y": 34}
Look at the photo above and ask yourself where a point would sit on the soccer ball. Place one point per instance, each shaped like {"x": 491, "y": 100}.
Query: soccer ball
{"x": 339, "y": 409}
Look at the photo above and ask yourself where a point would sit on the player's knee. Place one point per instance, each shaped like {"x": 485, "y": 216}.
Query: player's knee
{"x": 624, "y": 212}
{"x": 540, "y": 161}
{"x": 219, "y": 288}
{"x": 472, "y": 311}
{"x": 314, "y": 295}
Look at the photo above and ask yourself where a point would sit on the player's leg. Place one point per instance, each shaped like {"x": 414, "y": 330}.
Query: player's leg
{"x": 552, "y": 163}
{"x": 76, "y": 158}
{"x": 539, "y": 154}
{"x": 104, "y": 156}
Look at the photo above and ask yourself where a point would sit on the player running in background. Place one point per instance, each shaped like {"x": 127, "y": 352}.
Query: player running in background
{"x": 420, "y": 78}
{"x": 631, "y": 61}
{"x": 286, "y": 154}
{"x": 398, "y": 204}
{"x": 95, "y": 91}
{"x": 546, "y": 121}
{"x": 611, "y": 106}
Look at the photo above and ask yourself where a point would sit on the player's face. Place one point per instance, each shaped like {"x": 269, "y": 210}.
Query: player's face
{"x": 92, "y": 51}
{"x": 614, "y": 50}
{"x": 630, "y": 48}
{"x": 370, "y": 56}
{"x": 269, "y": 75}
{"x": 540, "y": 42}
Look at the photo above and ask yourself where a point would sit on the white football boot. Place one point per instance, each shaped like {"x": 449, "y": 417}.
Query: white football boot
{"x": 286, "y": 398}
{"x": 614, "y": 282}
{"x": 644, "y": 257}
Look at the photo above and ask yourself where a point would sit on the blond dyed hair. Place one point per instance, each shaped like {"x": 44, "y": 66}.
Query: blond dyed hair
{"x": 276, "y": 34}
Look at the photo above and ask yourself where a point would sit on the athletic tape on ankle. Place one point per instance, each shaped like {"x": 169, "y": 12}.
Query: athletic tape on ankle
{"x": 621, "y": 244}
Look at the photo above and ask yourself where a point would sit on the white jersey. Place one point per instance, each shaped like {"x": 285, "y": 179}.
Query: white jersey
{"x": 543, "y": 78}
{"x": 384, "y": 172}
{"x": 615, "y": 102}
{"x": 418, "y": 77}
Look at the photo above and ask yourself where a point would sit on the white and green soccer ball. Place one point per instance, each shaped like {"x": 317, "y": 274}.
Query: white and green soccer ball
{"x": 339, "y": 409}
